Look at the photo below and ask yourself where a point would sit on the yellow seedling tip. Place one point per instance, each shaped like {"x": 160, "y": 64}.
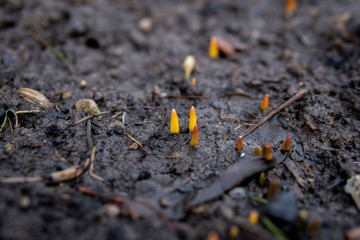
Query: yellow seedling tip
{"x": 189, "y": 65}
{"x": 212, "y": 236}
{"x": 193, "y": 82}
{"x": 262, "y": 179}
{"x": 287, "y": 144}
{"x": 234, "y": 231}
{"x": 253, "y": 217}
{"x": 195, "y": 136}
{"x": 290, "y": 7}
{"x": 239, "y": 143}
{"x": 213, "y": 48}
{"x": 265, "y": 103}
{"x": 174, "y": 122}
{"x": 257, "y": 151}
{"x": 192, "y": 119}
{"x": 266, "y": 151}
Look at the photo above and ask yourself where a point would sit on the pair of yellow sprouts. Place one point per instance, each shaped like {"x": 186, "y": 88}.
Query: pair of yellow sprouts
{"x": 174, "y": 125}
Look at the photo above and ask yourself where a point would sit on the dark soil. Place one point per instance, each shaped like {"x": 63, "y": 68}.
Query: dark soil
{"x": 318, "y": 49}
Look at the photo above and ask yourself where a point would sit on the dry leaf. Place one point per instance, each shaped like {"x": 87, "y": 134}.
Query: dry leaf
{"x": 35, "y": 97}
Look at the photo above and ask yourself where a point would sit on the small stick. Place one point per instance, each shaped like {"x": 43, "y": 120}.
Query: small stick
{"x": 88, "y": 135}
{"x": 10, "y": 125}
{"x": 20, "y": 179}
{"x": 136, "y": 141}
{"x": 91, "y": 116}
{"x": 116, "y": 114}
{"x": 278, "y": 109}
{"x": 145, "y": 107}
{"x": 187, "y": 97}
{"x": 237, "y": 94}
{"x": 91, "y": 171}
{"x": 115, "y": 200}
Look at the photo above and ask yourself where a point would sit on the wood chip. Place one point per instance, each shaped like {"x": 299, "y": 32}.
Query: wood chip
{"x": 133, "y": 146}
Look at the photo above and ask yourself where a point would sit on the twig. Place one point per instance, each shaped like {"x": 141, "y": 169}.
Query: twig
{"x": 116, "y": 114}
{"x": 91, "y": 116}
{"x": 187, "y": 97}
{"x": 237, "y": 94}
{"x": 145, "y": 107}
{"x": 115, "y": 200}
{"x": 136, "y": 141}
{"x": 20, "y": 179}
{"x": 10, "y": 125}
{"x": 91, "y": 171}
{"x": 278, "y": 109}
{"x": 88, "y": 135}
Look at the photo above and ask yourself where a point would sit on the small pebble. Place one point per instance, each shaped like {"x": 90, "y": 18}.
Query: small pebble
{"x": 83, "y": 83}
{"x": 10, "y": 148}
{"x": 238, "y": 193}
{"x": 145, "y": 24}
{"x": 66, "y": 95}
{"x": 25, "y": 202}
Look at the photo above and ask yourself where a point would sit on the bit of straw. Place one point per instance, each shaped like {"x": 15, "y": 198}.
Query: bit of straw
{"x": 136, "y": 141}
{"x": 266, "y": 151}
{"x": 253, "y": 217}
{"x": 287, "y": 144}
{"x": 239, "y": 143}
{"x": 195, "y": 136}
{"x": 192, "y": 119}
{"x": 213, "y": 48}
{"x": 189, "y": 65}
{"x": 193, "y": 81}
{"x": 265, "y": 103}
{"x": 257, "y": 151}
{"x": 174, "y": 122}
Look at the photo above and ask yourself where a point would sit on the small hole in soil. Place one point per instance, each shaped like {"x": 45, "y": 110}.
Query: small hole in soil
{"x": 92, "y": 43}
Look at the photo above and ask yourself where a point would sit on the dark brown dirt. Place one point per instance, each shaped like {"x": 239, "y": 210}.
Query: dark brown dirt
{"x": 318, "y": 50}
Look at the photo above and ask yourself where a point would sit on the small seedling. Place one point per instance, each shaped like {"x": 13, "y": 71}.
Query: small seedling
{"x": 265, "y": 103}
{"x": 290, "y": 7}
{"x": 213, "y": 48}
{"x": 193, "y": 81}
{"x": 195, "y": 136}
{"x": 287, "y": 144}
{"x": 266, "y": 151}
{"x": 189, "y": 65}
{"x": 257, "y": 151}
{"x": 273, "y": 188}
{"x": 234, "y": 231}
{"x": 262, "y": 179}
{"x": 174, "y": 122}
{"x": 192, "y": 119}
{"x": 239, "y": 143}
{"x": 253, "y": 217}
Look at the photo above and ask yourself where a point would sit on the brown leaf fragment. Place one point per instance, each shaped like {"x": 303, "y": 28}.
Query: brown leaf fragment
{"x": 70, "y": 173}
{"x": 225, "y": 46}
{"x": 35, "y": 97}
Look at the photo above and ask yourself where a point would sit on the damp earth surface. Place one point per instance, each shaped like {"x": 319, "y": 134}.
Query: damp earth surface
{"x": 128, "y": 57}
